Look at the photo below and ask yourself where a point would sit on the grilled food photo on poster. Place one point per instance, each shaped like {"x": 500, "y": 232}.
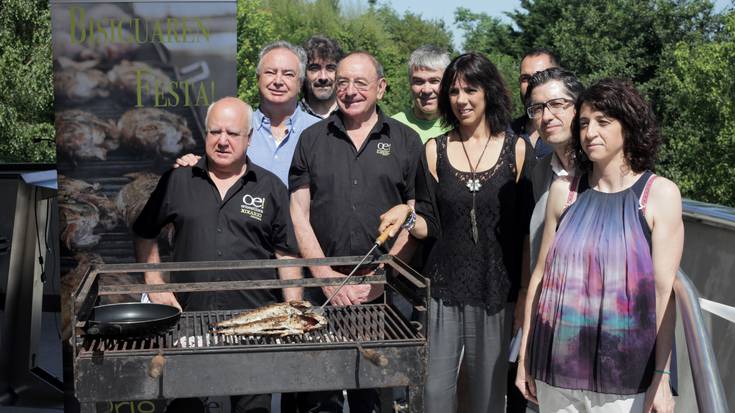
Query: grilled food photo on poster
{"x": 132, "y": 83}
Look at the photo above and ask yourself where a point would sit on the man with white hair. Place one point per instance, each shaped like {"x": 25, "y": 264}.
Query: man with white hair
{"x": 279, "y": 121}
{"x": 425, "y": 70}
{"x": 224, "y": 208}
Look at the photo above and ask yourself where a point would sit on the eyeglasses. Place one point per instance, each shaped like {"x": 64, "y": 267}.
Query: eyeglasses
{"x": 555, "y": 106}
{"x": 359, "y": 84}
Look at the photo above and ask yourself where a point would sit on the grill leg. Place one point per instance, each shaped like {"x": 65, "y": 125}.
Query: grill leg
{"x": 416, "y": 399}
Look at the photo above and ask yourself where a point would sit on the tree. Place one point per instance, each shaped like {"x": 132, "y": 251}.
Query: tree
{"x": 698, "y": 117}
{"x": 254, "y": 29}
{"x": 26, "y": 93}
{"x": 676, "y": 52}
{"x": 378, "y": 30}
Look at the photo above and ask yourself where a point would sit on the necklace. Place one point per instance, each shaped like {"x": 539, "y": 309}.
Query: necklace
{"x": 474, "y": 185}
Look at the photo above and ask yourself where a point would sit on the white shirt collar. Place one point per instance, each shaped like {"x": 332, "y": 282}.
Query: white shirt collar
{"x": 557, "y": 166}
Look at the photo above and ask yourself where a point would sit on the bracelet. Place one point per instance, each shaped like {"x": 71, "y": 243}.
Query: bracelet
{"x": 662, "y": 372}
{"x": 410, "y": 221}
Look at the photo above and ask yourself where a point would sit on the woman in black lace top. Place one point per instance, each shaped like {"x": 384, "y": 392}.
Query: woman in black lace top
{"x": 474, "y": 199}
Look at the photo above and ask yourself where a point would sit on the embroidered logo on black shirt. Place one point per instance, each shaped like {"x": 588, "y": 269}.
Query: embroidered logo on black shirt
{"x": 253, "y": 206}
{"x": 383, "y": 149}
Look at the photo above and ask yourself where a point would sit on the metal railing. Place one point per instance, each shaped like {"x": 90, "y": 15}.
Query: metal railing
{"x": 708, "y": 386}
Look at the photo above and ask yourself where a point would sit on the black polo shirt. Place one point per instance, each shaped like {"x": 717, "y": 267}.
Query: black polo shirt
{"x": 351, "y": 187}
{"x": 251, "y": 222}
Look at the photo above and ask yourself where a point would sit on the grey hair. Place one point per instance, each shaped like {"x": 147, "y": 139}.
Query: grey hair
{"x": 248, "y": 111}
{"x": 282, "y": 44}
{"x": 428, "y": 57}
{"x": 378, "y": 67}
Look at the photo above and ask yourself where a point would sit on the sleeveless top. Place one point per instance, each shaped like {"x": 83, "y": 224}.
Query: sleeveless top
{"x": 595, "y": 327}
{"x": 487, "y": 273}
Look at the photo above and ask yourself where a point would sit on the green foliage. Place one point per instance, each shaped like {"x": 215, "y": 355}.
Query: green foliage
{"x": 378, "y": 30}
{"x": 26, "y": 93}
{"x": 488, "y": 34}
{"x": 255, "y": 28}
{"x": 698, "y": 117}
{"x": 677, "y": 52}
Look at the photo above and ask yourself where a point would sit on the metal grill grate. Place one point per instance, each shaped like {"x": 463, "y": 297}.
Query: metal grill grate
{"x": 366, "y": 324}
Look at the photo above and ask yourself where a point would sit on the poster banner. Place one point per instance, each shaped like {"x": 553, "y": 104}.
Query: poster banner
{"x": 132, "y": 83}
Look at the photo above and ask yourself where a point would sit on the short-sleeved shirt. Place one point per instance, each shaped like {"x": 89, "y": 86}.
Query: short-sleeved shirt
{"x": 351, "y": 187}
{"x": 251, "y": 222}
{"x": 263, "y": 149}
{"x": 426, "y": 129}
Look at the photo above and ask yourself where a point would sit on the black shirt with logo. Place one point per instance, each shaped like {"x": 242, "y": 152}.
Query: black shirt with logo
{"x": 351, "y": 187}
{"x": 251, "y": 222}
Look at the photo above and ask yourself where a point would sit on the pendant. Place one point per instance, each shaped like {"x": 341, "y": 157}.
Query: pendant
{"x": 474, "y": 185}
{"x": 473, "y": 222}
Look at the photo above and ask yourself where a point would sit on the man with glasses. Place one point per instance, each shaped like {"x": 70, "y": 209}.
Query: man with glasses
{"x": 534, "y": 61}
{"x": 425, "y": 70}
{"x": 550, "y": 97}
{"x": 322, "y": 54}
{"x": 224, "y": 208}
{"x": 347, "y": 170}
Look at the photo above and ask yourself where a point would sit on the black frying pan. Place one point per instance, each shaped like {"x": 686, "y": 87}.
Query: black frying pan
{"x": 131, "y": 319}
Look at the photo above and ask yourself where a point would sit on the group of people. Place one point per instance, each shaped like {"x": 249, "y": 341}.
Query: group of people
{"x": 551, "y": 227}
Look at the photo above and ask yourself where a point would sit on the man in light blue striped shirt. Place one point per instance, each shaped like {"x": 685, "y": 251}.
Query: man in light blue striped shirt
{"x": 279, "y": 121}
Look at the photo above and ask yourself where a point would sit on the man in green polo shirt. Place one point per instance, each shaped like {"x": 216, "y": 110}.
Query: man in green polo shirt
{"x": 425, "y": 70}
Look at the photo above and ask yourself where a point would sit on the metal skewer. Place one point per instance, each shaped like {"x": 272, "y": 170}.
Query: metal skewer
{"x": 378, "y": 242}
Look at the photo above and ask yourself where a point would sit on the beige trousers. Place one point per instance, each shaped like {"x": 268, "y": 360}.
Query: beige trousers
{"x": 558, "y": 400}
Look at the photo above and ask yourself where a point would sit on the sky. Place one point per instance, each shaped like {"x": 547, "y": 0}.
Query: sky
{"x": 444, "y": 10}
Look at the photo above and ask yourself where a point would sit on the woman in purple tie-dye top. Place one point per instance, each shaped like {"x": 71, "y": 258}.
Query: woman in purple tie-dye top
{"x": 598, "y": 332}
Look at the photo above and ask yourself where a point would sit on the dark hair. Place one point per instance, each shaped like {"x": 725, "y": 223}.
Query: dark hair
{"x": 553, "y": 57}
{"x": 572, "y": 85}
{"x": 620, "y": 100}
{"x": 321, "y": 47}
{"x": 477, "y": 71}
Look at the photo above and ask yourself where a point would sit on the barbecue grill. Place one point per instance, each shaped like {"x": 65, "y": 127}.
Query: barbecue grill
{"x": 196, "y": 363}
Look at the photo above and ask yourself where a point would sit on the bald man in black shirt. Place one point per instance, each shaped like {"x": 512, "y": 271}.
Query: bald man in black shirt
{"x": 223, "y": 208}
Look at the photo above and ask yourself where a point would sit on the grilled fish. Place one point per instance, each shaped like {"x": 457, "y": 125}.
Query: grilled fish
{"x": 263, "y": 313}
{"x": 281, "y": 326}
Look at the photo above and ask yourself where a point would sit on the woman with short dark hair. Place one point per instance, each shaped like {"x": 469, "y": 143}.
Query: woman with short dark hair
{"x": 599, "y": 328}
{"x": 474, "y": 199}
